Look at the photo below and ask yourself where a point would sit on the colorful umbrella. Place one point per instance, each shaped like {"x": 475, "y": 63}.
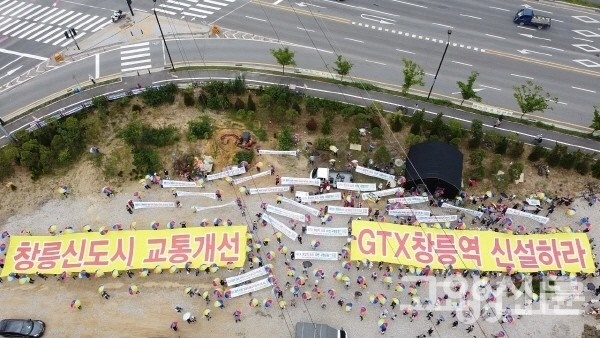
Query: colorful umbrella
{"x": 117, "y": 226}
{"x": 295, "y": 289}
{"x": 99, "y": 273}
{"x": 205, "y": 295}
{"x": 158, "y": 269}
{"x": 346, "y": 265}
{"x": 154, "y": 225}
{"x": 227, "y": 294}
{"x": 52, "y": 229}
{"x": 267, "y": 302}
{"x": 363, "y": 311}
{"x": 218, "y": 293}
{"x": 206, "y": 313}
{"x": 331, "y": 293}
{"x": 187, "y": 290}
{"x": 133, "y": 289}
{"x": 306, "y": 295}
{"x": 345, "y": 278}
{"x": 337, "y": 276}
{"x": 132, "y": 225}
{"x": 382, "y": 299}
{"x": 218, "y": 304}
{"x": 171, "y": 225}
{"x": 571, "y": 212}
{"x": 216, "y": 281}
{"x": 76, "y": 304}
{"x": 24, "y": 280}
{"x": 253, "y": 302}
{"x": 291, "y": 272}
{"x": 86, "y": 228}
{"x": 318, "y": 273}
{"x": 282, "y": 249}
{"x": 5, "y": 234}
{"x": 300, "y": 280}
{"x": 360, "y": 280}
{"x": 373, "y": 299}
{"x": 315, "y": 244}
{"x": 101, "y": 289}
{"x": 270, "y": 255}
{"x": 103, "y": 230}
{"x": 214, "y": 268}
{"x": 348, "y": 307}
{"x": 115, "y": 273}
{"x": 282, "y": 304}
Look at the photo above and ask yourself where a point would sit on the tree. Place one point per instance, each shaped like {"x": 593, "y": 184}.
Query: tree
{"x": 413, "y": 75}
{"x": 342, "y": 66}
{"x": 250, "y": 105}
{"x": 532, "y": 97}
{"x": 326, "y": 127}
{"x": 596, "y": 120}
{"x": 284, "y": 56}
{"x": 285, "y": 140}
{"x": 382, "y": 155}
{"x": 466, "y": 89}
{"x": 476, "y": 134}
{"x": 354, "y": 136}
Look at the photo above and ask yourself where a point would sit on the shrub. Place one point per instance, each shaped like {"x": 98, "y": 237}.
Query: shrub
{"x": 202, "y": 99}
{"x": 537, "y": 153}
{"x": 312, "y": 105}
{"x": 146, "y": 160}
{"x": 568, "y": 160}
{"x": 291, "y": 115}
{"x": 502, "y": 146}
{"x": 100, "y": 103}
{"x": 596, "y": 170}
{"x": 382, "y": 155}
{"x": 476, "y": 134}
{"x": 454, "y": 130}
{"x": 396, "y": 123}
{"x": 239, "y": 104}
{"x": 6, "y": 165}
{"x": 323, "y": 143}
{"x": 244, "y": 155}
{"x": 137, "y": 134}
{"x": 377, "y": 133}
{"x": 285, "y": 140}
{"x": 437, "y": 126}
{"x": 261, "y": 134}
{"x": 296, "y": 107}
{"x": 496, "y": 165}
{"x": 517, "y": 149}
{"x": 326, "y": 127}
{"x": 417, "y": 122}
{"x": 515, "y": 170}
{"x": 156, "y": 96}
{"x": 136, "y": 108}
{"x": 476, "y": 157}
{"x": 354, "y": 136}
{"x": 201, "y": 129}
{"x": 360, "y": 120}
{"x": 236, "y": 86}
{"x": 477, "y": 172}
{"x": 412, "y": 139}
{"x": 218, "y": 102}
{"x": 555, "y": 156}
{"x": 250, "y": 105}
{"x": 582, "y": 162}
{"x": 188, "y": 98}
{"x": 215, "y": 88}
{"x": 311, "y": 124}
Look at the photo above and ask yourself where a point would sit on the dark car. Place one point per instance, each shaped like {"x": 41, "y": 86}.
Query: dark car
{"x": 22, "y": 328}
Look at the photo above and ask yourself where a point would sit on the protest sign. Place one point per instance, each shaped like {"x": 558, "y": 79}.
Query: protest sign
{"x": 195, "y": 193}
{"x": 334, "y": 196}
{"x": 322, "y": 231}
{"x": 235, "y": 280}
{"x": 382, "y": 193}
{"x": 306, "y": 208}
{"x": 252, "y": 287}
{"x": 537, "y": 218}
{"x": 277, "y": 152}
{"x": 333, "y": 209}
{"x": 286, "y": 213}
{"x": 148, "y": 205}
{"x": 227, "y": 173}
{"x": 409, "y": 212}
{"x": 408, "y": 200}
{"x": 374, "y": 173}
{"x": 268, "y": 190}
{"x": 251, "y": 177}
{"x": 179, "y": 184}
{"x": 316, "y": 255}
{"x": 471, "y": 212}
{"x": 437, "y": 219}
{"x": 356, "y": 186}
{"x": 300, "y": 181}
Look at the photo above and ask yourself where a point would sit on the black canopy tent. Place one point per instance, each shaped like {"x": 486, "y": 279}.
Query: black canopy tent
{"x": 310, "y": 330}
{"x": 436, "y": 165}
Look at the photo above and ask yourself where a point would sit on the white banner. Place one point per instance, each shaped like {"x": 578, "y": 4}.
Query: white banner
{"x": 537, "y": 218}
{"x": 284, "y": 229}
{"x": 471, "y": 212}
{"x": 147, "y": 205}
{"x": 252, "y": 287}
{"x": 214, "y": 206}
{"x": 300, "y": 181}
{"x": 277, "y": 152}
{"x": 334, "y": 196}
{"x": 409, "y": 200}
{"x": 320, "y": 231}
{"x": 195, "y": 193}
{"x": 286, "y": 213}
{"x": 235, "y": 280}
{"x": 310, "y": 210}
{"x": 333, "y": 209}
{"x": 267, "y": 190}
{"x": 374, "y": 173}
{"x": 437, "y": 219}
{"x": 316, "y": 255}
{"x": 382, "y": 193}
{"x": 179, "y": 184}
{"x": 409, "y": 212}
{"x": 357, "y": 186}
{"x": 230, "y": 172}
{"x": 248, "y": 178}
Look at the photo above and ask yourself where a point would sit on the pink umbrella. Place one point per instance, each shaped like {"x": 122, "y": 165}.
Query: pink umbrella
{"x": 363, "y": 311}
{"x": 276, "y": 290}
{"x": 331, "y": 293}
{"x": 171, "y": 225}
{"x": 267, "y": 302}
{"x": 117, "y": 226}
{"x": 218, "y": 293}
{"x": 272, "y": 279}
{"x": 335, "y": 274}
{"x": 306, "y": 295}
{"x": 228, "y": 294}
{"x": 5, "y": 234}
{"x": 318, "y": 273}
{"x": 300, "y": 281}
{"x": 154, "y": 225}
{"x": 360, "y": 280}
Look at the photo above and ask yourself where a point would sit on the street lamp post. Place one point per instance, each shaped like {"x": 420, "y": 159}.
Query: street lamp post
{"x": 163, "y": 36}
{"x": 440, "y": 66}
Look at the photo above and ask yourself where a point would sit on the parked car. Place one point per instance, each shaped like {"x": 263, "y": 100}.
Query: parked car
{"x": 332, "y": 176}
{"x": 22, "y": 328}
{"x": 526, "y": 16}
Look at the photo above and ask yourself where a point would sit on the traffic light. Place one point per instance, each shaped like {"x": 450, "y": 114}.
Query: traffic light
{"x": 73, "y": 32}
{"x": 67, "y": 35}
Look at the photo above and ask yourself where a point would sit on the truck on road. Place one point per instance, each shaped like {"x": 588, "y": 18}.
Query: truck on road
{"x": 526, "y": 16}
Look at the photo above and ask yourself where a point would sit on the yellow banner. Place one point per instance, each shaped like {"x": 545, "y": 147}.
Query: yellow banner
{"x": 123, "y": 250}
{"x": 469, "y": 249}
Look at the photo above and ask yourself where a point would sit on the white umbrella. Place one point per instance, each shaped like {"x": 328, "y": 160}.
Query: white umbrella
{"x": 187, "y": 315}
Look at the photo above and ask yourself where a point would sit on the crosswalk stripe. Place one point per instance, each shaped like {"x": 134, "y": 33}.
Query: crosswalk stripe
{"x": 135, "y": 45}
{"x": 54, "y": 15}
{"x": 200, "y": 11}
{"x": 24, "y": 29}
{"x": 10, "y": 23}
{"x": 56, "y": 37}
{"x": 178, "y": 3}
{"x": 131, "y": 51}
{"x": 209, "y": 7}
{"x": 44, "y": 14}
{"x": 163, "y": 11}
{"x": 14, "y": 13}
{"x": 194, "y": 1}
{"x": 59, "y": 18}
{"x": 15, "y": 28}
{"x": 216, "y": 3}
{"x": 7, "y": 6}
{"x": 69, "y": 40}
{"x": 40, "y": 10}
{"x": 5, "y": 21}
{"x": 102, "y": 26}
{"x": 69, "y": 19}
{"x": 143, "y": 55}
{"x": 4, "y": 2}
{"x": 195, "y": 15}
{"x": 29, "y": 10}
{"x": 80, "y": 19}
{"x": 123, "y": 70}
{"x": 94, "y": 24}
{"x": 47, "y": 34}
{"x": 230, "y": 0}
{"x": 170, "y": 7}
{"x": 31, "y": 31}
{"x": 39, "y": 33}
{"x": 129, "y": 63}
{"x": 88, "y": 21}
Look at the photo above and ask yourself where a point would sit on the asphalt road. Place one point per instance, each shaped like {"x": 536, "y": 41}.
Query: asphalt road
{"x": 375, "y": 36}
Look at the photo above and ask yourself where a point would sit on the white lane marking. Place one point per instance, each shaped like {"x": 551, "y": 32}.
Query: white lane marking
{"x": 21, "y": 24}
{"x": 178, "y": 3}
{"x": 80, "y": 19}
{"x": 31, "y": 56}
{"x": 143, "y": 55}
{"x": 194, "y": 15}
{"x": 556, "y": 20}
{"x": 583, "y": 39}
{"x": 462, "y": 63}
{"x": 163, "y": 11}
{"x": 495, "y": 36}
{"x": 531, "y": 29}
{"x": 523, "y": 76}
{"x": 430, "y": 74}
{"x": 97, "y": 65}
{"x": 470, "y": 16}
{"x": 439, "y": 24}
{"x": 53, "y": 15}
{"x": 101, "y": 26}
{"x": 135, "y": 45}
{"x": 409, "y": 3}
{"x": 88, "y": 21}
{"x": 15, "y": 60}
{"x": 404, "y": 51}
{"x": 500, "y": 9}
{"x": 200, "y": 10}
{"x": 94, "y": 24}
{"x": 563, "y": 103}
{"x": 253, "y": 18}
{"x": 539, "y": 10}
{"x": 72, "y": 17}
{"x": 306, "y": 30}
{"x": 277, "y": 2}
{"x": 494, "y": 88}
{"x": 354, "y": 40}
{"x": 129, "y": 63}
{"x": 585, "y": 90}
{"x": 376, "y": 62}
{"x": 558, "y": 49}
{"x": 38, "y": 33}
{"x": 209, "y": 7}
{"x": 24, "y": 29}
{"x": 136, "y": 68}
{"x": 123, "y": 52}
{"x": 216, "y": 3}
{"x": 171, "y": 7}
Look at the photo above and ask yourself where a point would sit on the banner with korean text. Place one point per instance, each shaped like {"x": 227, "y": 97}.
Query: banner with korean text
{"x": 409, "y": 200}
{"x": 277, "y": 152}
{"x": 336, "y": 210}
{"x": 537, "y": 218}
{"x": 334, "y": 196}
{"x": 321, "y": 231}
{"x": 286, "y": 213}
{"x": 300, "y": 181}
{"x": 409, "y": 212}
{"x": 381, "y": 193}
{"x": 179, "y": 184}
{"x": 239, "y": 279}
{"x": 316, "y": 255}
{"x": 306, "y": 208}
{"x": 471, "y": 212}
{"x": 251, "y": 177}
{"x": 252, "y": 287}
{"x": 356, "y": 186}
{"x": 437, "y": 219}
{"x": 277, "y": 224}
{"x": 125, "y": 250}
{"x": 196, "y": 193}
{"x": 148, "y": 205}
{"x": 268, "y": 190}
{"x": 374, "y": 173}
{"x": 227, "y": 173}
{"x": 469, "y": 249}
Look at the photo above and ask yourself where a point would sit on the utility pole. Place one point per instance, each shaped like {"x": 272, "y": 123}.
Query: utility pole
{"x": 163, "y": 37}
{"x": 70, "y": 34}
{"x": 129, "y": 5}
{"x": 440, "y": 66}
